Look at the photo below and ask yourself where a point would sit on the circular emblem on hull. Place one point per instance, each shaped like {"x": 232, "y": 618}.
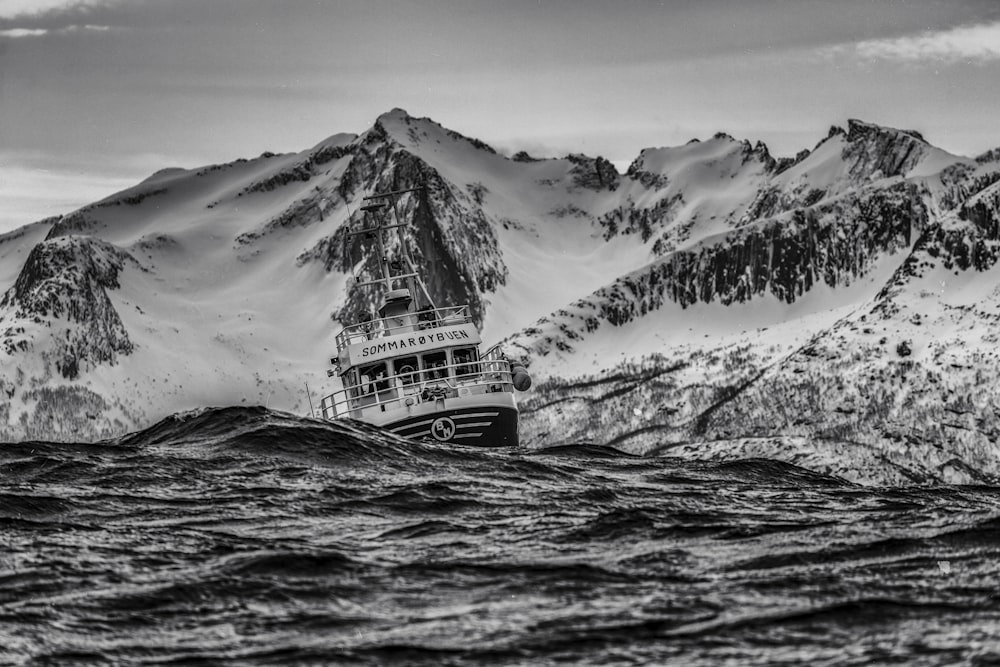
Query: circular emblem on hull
{"x": 443, "y": 429}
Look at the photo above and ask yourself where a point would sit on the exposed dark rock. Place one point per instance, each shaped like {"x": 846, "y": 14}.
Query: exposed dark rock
{"x": 831, "y": 244}
{"x": 449, "y": 231}
{"x": 594, "y": 173}
{"x": 647, "y": 178}
{"x": 989, "y": 156}
{"x": 642, "y": 221}
{"x": 67, "y": 279}
{"x": 872, "y": 149}
{"x": 73, "y": 223}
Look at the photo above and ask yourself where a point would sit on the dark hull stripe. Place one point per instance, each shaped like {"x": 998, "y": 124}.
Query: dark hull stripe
{"x": 475, "y": 426}
{"x": 397, "y": 429}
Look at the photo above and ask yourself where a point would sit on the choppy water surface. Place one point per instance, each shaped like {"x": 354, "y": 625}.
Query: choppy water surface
{"x": 246, "y": 537}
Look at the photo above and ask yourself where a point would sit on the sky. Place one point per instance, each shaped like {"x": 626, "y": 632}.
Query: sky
{"x": 96, "y": 95}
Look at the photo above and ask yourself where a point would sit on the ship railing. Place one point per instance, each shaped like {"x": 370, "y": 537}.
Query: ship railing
{"x": 489, "y": 374}
{"x": 430, "y": 318}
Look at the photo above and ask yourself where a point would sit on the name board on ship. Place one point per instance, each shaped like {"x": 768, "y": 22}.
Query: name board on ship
{"x": 412, "y": 343}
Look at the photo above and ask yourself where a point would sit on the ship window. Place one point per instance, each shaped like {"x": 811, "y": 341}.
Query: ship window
{"x": 351, "y": 381}
{"x": 464, "y": 357}
{"x": 373, "y": 379}
{"x": 426, "y": 318}
{"x": 435, "y": 366}
{"x": 406, "y": 369}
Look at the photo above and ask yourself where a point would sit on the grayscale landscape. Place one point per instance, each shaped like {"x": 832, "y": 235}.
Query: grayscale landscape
{"x": 747, "y": 253}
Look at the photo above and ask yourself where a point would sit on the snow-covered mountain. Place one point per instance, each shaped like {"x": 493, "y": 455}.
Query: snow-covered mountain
{"x": 712, "y": 298}
{"x": 840, "y": 313}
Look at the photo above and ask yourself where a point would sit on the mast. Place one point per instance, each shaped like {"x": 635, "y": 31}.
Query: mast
{"x": 376, "y": 211}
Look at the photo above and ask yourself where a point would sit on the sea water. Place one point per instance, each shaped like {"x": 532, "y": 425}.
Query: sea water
{"x": 247, "y": 537}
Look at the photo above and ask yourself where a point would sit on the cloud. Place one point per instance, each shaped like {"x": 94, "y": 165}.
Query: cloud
{"x": 39, "y": 18}
{"x": 17, "y": 9}
{"x": 979, "y": 42}
{"x": 83, "y": 28}
{"x": 15, "y": 33}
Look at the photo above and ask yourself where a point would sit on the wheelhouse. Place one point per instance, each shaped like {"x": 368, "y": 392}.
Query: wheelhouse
{"x": 379, "y": 372}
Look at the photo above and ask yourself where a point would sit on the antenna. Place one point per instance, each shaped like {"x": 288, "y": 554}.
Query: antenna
{"x": 347, "y": 248}
{"x": 312, "y": 411}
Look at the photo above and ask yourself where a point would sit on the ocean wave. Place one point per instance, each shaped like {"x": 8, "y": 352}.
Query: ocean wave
{"x": 246, "y": 536}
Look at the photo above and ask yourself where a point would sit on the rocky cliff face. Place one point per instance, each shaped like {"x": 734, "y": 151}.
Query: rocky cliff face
{"x": 64, "y": 283}
{"x": 449, "y": 228}
{"x": 57, "y": 325}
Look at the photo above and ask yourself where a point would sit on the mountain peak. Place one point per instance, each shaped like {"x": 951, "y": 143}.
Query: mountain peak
{"x": 395, "y": 114}
{"x": 859, "y": 129}
{"x": 410, "y": 132}
{"x": 391, "y": 123}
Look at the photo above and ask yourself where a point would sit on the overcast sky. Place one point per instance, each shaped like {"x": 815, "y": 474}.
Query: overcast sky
{"x": 97, "y": 94}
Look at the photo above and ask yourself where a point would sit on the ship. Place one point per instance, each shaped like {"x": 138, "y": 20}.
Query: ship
{"x": 415, "y": 368}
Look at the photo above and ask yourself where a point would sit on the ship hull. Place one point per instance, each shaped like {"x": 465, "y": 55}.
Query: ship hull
{"x": 483, "y": 421}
